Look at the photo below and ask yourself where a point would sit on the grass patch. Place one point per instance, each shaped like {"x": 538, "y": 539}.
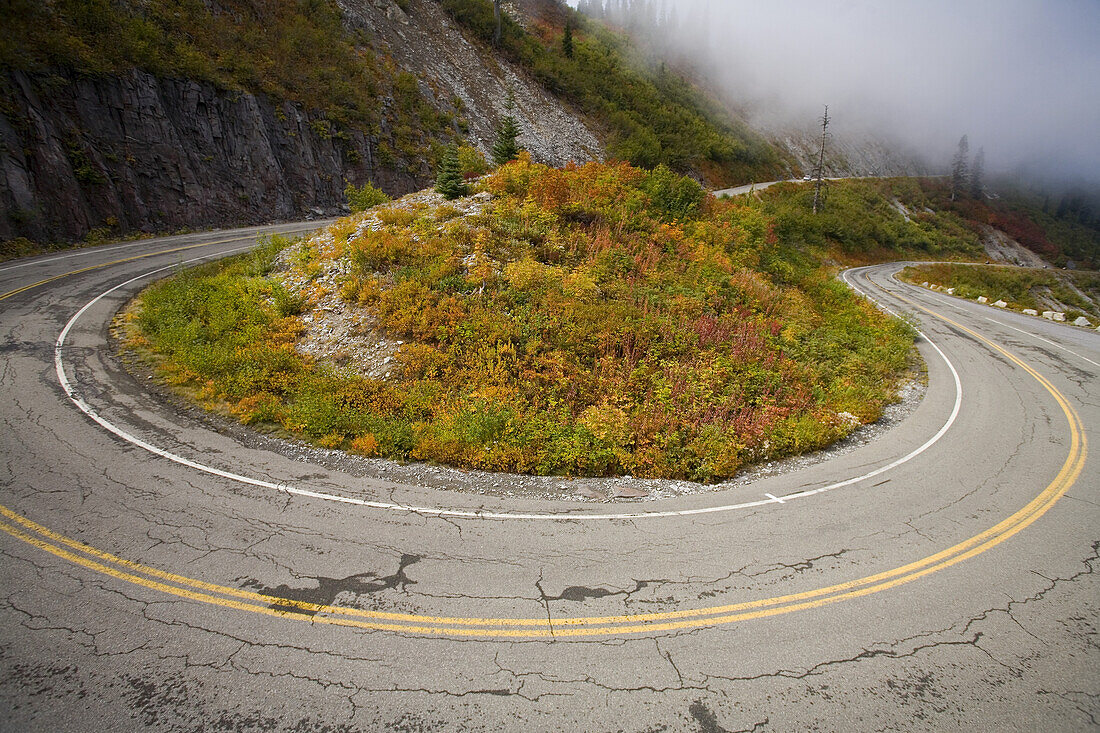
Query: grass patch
{"x": 1020, "y": 287}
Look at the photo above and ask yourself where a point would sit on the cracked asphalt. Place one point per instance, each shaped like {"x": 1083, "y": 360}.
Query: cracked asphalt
{"x": 955, "y": 591}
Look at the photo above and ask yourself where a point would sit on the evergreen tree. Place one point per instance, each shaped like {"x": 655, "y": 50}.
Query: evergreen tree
{"x": 959, "y": 172}
{"x": 449, "y": 180}
{"x": 506, "y": 148}
{"x": 567, "y": 40}
{"x": 976, "y": 172}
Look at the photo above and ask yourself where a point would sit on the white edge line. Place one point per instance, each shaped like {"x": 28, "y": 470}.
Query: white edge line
{"x": 469, "y": 514}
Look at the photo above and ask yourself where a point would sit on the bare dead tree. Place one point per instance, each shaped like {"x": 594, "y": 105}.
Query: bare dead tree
{"x": 819, "y": 174}
{"x": 496, "y": 18}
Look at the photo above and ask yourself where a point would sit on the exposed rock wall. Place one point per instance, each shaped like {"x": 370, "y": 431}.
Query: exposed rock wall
{"x": 136, "y": 152}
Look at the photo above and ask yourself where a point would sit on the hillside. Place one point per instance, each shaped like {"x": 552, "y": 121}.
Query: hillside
{"x": 649, "y": 112}
{"x": 848, "y": 153}
{"x": 119, "y": 117}
{"x": 882, "y": 219}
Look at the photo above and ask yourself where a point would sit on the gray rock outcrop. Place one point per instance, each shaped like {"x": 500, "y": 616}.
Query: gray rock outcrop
{"x": 135, "y": 152}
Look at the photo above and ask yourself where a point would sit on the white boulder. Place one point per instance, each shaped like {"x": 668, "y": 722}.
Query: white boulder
{"x": 983, "y": 299}
{"x": 1001, "y": 304}
{"x": 1030, "y": 312}
{"x": 1082, "y": 321}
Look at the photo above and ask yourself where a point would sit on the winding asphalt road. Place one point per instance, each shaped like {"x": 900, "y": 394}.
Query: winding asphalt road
{"x": 157, "y": 572}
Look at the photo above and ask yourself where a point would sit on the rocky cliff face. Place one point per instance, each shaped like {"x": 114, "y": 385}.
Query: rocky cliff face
{"x": 136, "y": 152}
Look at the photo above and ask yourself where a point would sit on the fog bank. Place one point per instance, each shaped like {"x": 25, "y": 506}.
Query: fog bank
{"x": 1020, "y": 77}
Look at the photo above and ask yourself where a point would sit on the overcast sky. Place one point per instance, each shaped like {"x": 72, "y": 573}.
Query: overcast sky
{"x": 1020, "y": 77}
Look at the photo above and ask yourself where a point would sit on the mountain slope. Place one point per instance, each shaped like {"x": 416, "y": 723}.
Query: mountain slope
{"x": 119, "y": 117}
{"x": 126, "y": 116}
{"x": 457, "y": 72}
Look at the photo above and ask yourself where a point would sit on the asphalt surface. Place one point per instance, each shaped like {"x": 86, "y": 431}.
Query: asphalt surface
{"x": 155, "y": 572}
{"x": 751, "y": 187}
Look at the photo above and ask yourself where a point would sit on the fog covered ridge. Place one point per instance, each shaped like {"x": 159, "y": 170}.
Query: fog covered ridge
{"x": 1020, "y": 77}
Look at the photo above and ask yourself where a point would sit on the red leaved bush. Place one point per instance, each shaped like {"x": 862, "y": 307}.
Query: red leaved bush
{"x": 1025, "y": 231}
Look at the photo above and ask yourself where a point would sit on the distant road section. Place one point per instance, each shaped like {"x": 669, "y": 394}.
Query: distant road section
{"x": 738, "y": 190}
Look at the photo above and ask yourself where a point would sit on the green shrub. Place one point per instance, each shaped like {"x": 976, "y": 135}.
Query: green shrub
{"x": 364, "y": 197}
{"x": 672, "y": 196}
{"x": 471, "y": 162}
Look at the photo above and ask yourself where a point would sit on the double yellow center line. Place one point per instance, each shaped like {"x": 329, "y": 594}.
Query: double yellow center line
{"x": 194, "y": 589}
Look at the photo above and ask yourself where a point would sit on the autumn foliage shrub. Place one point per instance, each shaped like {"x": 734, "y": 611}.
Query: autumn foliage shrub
{"x": 594, "y": 320}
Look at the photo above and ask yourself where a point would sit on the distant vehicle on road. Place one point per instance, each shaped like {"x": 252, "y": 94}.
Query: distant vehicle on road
{"x": 807, "y": 177}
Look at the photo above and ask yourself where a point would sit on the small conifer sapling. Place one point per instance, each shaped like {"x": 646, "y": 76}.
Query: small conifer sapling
{"x": 506, "y": 148}
{"x": 449, "y": 180}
